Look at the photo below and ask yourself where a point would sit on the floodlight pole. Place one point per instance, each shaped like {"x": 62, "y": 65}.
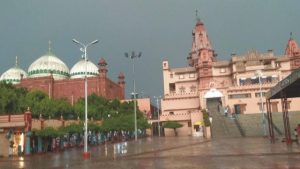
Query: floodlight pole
{"x": 259, "y": 74}
{"x": 133, "y": 56}
{"x": 158, "y": 115}
{"x": 86, "y": 154}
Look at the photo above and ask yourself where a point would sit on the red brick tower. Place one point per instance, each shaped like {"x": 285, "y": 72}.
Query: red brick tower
{"x": 102, "y": 77}
{"x": 121, "y": 83}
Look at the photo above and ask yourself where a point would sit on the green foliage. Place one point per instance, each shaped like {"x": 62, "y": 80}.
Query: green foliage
{"x": 95, "y": 127}
{"x": 205, "y": 117}
{"x": 73, "y": 128}
{"x": 172, "y": 125}
{"x": 11, "y": 99}
{"x": 117, "y": 116}
{"x": 142, "y": 123}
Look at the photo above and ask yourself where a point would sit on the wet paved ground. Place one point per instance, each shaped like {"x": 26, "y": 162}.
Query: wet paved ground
{"x": 170, "y": 152}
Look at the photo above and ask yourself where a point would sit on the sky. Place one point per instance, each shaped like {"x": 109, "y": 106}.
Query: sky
{"x": 160, "y": 29}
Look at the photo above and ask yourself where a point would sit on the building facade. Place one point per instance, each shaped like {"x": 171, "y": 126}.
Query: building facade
{"x": 52, "y": 76}
{"x": 237, "y": 83}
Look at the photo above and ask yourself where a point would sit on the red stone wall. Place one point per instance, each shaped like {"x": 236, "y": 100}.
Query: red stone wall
{"x": 73, "y": 89}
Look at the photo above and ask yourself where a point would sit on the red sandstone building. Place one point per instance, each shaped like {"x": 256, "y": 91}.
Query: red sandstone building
{"x": 50, "y": 75}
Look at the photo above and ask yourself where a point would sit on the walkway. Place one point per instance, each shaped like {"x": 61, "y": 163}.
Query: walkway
{"x": 171, "y": 152}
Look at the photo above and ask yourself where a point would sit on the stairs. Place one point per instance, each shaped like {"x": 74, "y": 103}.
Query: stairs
{"x": 223, "y": 127}
{"x": 252, "y": 123}
{"x": 247, "y": 124}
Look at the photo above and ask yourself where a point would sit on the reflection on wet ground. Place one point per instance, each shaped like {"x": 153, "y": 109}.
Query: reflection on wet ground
{"x": 168, "y": 152}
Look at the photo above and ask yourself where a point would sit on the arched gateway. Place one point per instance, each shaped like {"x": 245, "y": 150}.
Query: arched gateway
{"x": 213, "y": 99}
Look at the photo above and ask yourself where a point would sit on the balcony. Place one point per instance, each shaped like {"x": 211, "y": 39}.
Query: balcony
{"x": 251, "y": 87}
{"x": 180, "y": 95}
{"x": 175, "y": 117}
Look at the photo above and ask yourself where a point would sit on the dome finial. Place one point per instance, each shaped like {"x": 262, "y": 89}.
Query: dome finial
{"x": 16, "y": 61}
{"x": 49, "y": 46}
{"x": 291, "y": 35}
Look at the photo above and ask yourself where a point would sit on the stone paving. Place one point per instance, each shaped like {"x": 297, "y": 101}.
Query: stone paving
{"x": 169, "y": 152}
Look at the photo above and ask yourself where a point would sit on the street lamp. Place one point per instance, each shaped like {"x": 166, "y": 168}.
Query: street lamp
{"x": 83, "y": 49}
{"x": 158, "y": 115}
{"x": 134, "y": 56}
{"x": 258, "y": 73}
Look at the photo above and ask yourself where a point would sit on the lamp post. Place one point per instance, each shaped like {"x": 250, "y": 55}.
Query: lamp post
{"x": 83, "y": 49}
{"x": 258, "y": 73}
{"x": 134, "y": 56}
{"x": 158, "y": 115}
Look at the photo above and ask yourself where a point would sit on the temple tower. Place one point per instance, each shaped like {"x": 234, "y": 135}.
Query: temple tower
{"x": 292, "y": 51}
{"x": 202, "y": 54}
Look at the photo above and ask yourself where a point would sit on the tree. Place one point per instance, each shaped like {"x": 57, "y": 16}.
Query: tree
{"x": 173, "y": 125}
{"x": 10, "y": 98}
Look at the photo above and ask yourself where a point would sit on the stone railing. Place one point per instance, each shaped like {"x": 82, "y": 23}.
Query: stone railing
{"x": 175, "y": 117}
{"x": 13, "y": 121}
{"x": 12, "y": 118}
{"x": 174, "y": 95}
{"x": 252, "y": 86}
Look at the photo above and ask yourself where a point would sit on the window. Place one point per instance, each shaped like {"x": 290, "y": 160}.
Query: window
{"x": 254, "y": 80}
{"x": 278, "y": 65}
{"x": 181, "y": 76}
{"x": 171, "y": 113}
{"x": 192, "y": 75}
{"x": 239, "y": 96}
{"x": 258, "y": 94}
{"x": 242, "y": 81}
{"x": 274, "y": 78}
{"x": 269, "y": 79}
{"x": 240, "y": 108}
{"x": 172, "y": 87}
{"x": 267, "y": 62}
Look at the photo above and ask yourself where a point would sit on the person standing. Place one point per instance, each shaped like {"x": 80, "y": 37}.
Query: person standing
{"x": 226, "y": 111}
{"x": 296, "y": 136}
{"x": 298, "y": 129}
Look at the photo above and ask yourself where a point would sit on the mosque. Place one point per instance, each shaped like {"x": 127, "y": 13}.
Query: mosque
{"x": 51, "y": 75}
{"x": 239, "y": 83}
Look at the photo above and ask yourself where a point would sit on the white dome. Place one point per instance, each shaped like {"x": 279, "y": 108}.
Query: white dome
{"x": 13, "y": 75}
{"x": 46, "y": 64}
{"x": 78, "y": 70}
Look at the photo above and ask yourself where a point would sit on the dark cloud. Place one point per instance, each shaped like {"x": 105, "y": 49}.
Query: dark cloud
{"x": 159, "y": 29}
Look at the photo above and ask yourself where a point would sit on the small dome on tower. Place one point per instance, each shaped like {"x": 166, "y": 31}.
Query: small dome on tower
{"x": 102, "y": 62}
{"x": 121, "y": 75}
{"x": 78, "y": 70}
{"x": 48, "y": 64}
{"x": 13, "y": 75}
